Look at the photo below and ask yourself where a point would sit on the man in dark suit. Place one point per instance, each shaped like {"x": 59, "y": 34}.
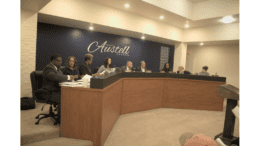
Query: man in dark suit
{"x": 129, "y": 66}
{"x": 182, "y": 71}
{"x": 52, "y": 76}
{"x": 142, "y": 67}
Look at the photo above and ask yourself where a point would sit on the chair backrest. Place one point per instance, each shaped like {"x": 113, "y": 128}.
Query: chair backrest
{"x": 36, "y": 81}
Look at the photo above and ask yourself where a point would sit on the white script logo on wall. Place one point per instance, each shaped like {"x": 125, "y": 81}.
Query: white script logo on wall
{"x": 108, "y": 48}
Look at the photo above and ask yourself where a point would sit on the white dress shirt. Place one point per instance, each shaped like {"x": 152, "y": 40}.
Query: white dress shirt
{"x": 143, "y": 69}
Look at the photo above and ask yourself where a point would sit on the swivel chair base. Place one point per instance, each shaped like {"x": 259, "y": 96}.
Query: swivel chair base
{"x": 51, "y": 114}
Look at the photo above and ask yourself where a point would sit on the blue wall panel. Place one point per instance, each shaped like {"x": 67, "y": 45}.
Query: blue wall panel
{"x": 65, "y": 41}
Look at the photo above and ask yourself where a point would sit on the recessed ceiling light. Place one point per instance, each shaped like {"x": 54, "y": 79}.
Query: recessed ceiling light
{"x": 161, "y": 17}
{"x": 187, "y": 25}
{"x": 143, "y": 37}
{"x": 201, "y": 44}
{"x": 91, "y": 28}
{"x": 227, "y": 19}
{"x": 126, "y": 5}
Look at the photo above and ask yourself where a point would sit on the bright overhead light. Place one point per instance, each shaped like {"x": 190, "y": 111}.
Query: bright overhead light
{"x": 227, "y": 19}
{"x": 161, "y": 17}
{"x": 91, "y": 28}
{"x": 187, "y": 25}
{"x": 126, "y": 5}
{"x": 143, "y": 37}
{"x": 201, "y": 44}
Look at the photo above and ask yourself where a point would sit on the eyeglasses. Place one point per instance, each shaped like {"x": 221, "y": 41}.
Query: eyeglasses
{"x": 71, "y": 61}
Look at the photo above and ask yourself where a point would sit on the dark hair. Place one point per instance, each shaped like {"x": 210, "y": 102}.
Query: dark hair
{"x": 205, "y": 67}
{"x": 106, "y": 62}
{"x": 55, "y": 56}
{"x": 88, "y": 56}
{"x": 75, "y": 62}
{"x": 166, "y": 69}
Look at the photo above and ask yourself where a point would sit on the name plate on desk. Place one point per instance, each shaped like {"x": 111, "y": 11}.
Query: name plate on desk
{"x": 228, "y": 91}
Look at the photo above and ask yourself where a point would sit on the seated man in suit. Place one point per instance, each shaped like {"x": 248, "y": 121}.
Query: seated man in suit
{"x": 182, "y": 71}
{"x": 52, "y": 76}
{"x": 84, "y": 68}
{"x": 142, "y": 67}
{"x": 129, "y": 66}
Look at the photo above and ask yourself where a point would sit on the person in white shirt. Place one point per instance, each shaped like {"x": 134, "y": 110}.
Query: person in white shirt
{"x": 106, "y": 66}
{"x": 142, "y": 67}
{"x": 129, "y": 66}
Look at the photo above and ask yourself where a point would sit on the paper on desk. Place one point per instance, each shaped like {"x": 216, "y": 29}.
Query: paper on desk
{"x": 87, "y": 77}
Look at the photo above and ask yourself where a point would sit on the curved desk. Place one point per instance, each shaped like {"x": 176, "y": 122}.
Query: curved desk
{"x": 91, "y": 113}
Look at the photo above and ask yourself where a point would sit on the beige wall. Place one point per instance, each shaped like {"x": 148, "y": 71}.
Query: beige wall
{"x": 179, "y": 55}
{"x": 223, "y": 59}
{"x": 28, "y": 49}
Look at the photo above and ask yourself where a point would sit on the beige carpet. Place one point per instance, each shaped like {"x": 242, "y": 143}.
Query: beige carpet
{"x": 158, "y": 127}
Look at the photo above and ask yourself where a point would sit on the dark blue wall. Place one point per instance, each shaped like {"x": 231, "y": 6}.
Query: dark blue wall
{"x": 65, "y": 41}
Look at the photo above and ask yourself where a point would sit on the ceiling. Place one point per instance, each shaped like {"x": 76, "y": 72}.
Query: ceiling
{"x": 34, "y": 5}
{"x": 137, "y": 7}
{"x": 147, "y": 10}
{"x": 197, "y": 1}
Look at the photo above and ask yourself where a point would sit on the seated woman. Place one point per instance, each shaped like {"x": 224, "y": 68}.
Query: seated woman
{"x": 166, "y": 67}
{"x": 106, "y": 66}
{"x": 71, "y": 67}
{"x": 204, "y": 71}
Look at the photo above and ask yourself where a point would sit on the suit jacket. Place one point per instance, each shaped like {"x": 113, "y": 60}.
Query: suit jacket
{"x": 52, "y": 78}
{"x": 185, "y": 72}
{"x": 123, "y": 68}
{"x": 140, "y": 70}
{"x": 84, "y": 69}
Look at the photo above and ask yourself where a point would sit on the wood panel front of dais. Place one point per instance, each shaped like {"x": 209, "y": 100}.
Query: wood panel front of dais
{"x": 192, "y": 94}
{"x": 141, "y": 94}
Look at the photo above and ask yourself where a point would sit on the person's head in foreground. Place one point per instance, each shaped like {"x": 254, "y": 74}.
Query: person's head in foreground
{"x": 191, "y": 139}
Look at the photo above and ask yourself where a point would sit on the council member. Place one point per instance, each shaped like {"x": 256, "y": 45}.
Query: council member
{"x": 166, "y": 68}
{"x": 142, "y": 67}
{"x": 106, "y": 65}
{"x": 129, "y": 66}
{"x": 84, "y": 68}
{"x": 71, "y": 67}
{"x": 182, "y": 71}
{"x": 204, "y": 71}
{"x": 52, "y": 76}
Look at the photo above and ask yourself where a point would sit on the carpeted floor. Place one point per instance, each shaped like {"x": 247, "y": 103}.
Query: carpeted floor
{"x": 148, "y": 128}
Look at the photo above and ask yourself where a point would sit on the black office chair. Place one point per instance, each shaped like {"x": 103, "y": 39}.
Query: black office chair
{"x": 38, "y": 93}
